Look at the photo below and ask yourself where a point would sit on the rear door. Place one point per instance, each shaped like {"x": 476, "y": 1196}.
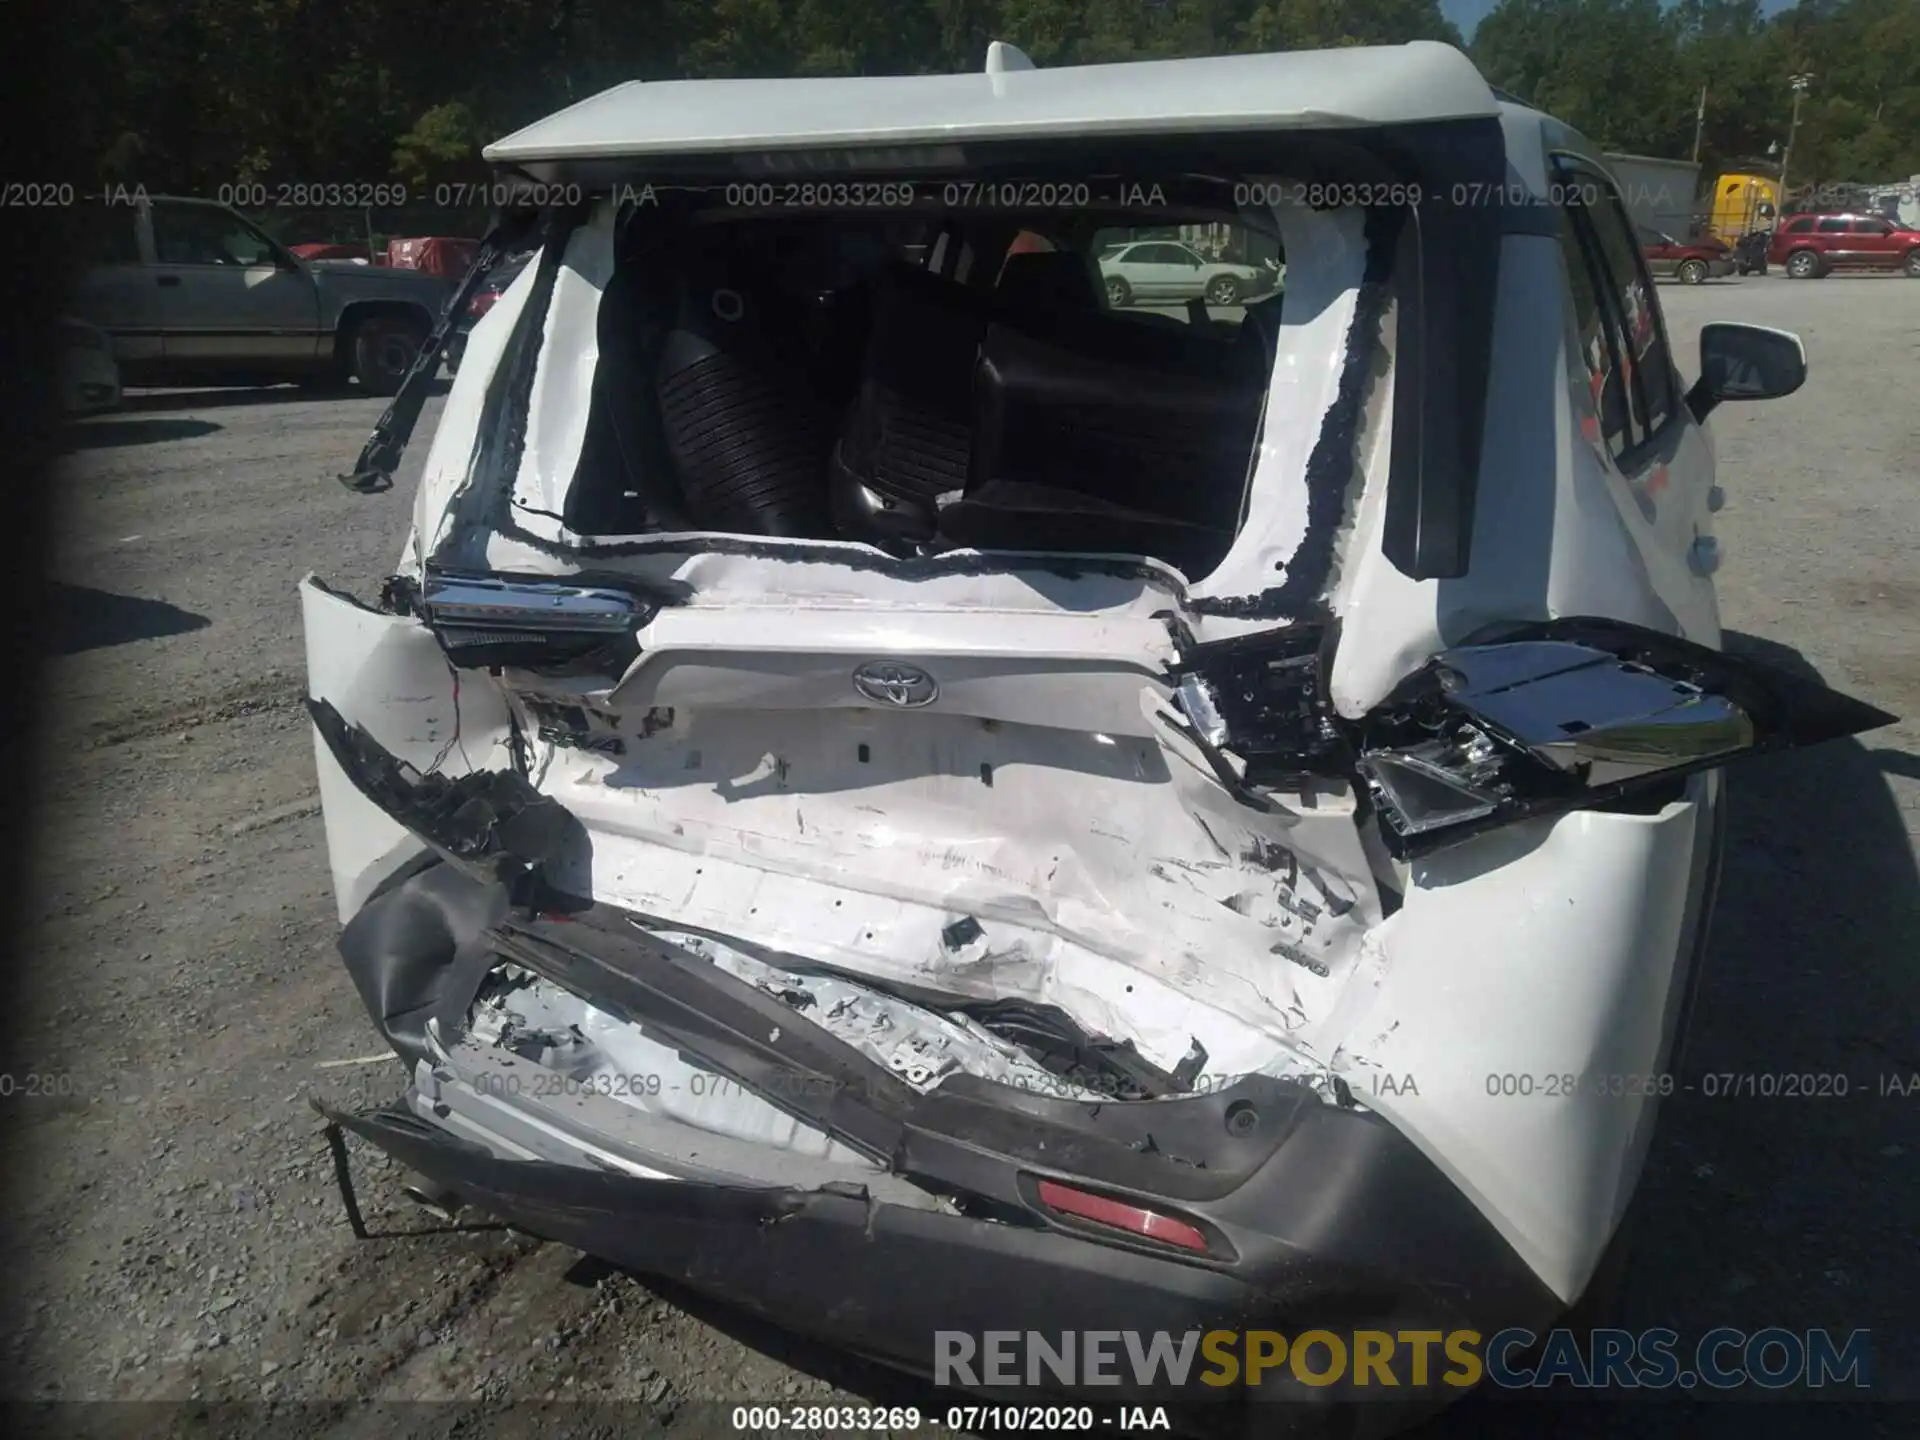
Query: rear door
{"x": 1159, "y": 269}
{"x": 228, "y": 294}
{"x": 1873, "y": 242}
{"x": 1833, "y": 238}
{"x": 1186, "y": 273}
{"x": 115, "y": 288}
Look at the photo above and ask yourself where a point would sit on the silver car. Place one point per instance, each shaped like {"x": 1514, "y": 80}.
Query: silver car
{"x": 1168, "y": 270}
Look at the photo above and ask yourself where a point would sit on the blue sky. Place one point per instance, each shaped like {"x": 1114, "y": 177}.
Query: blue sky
{"x": 1468, "y": 13}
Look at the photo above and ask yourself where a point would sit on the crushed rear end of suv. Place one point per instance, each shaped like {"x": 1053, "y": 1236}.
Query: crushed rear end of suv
{"x": 911, "y": 799}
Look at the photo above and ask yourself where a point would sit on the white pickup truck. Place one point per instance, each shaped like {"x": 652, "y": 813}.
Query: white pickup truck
{"x": 193, "y": 293}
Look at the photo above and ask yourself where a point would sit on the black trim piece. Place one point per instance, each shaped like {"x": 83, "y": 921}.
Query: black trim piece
{"x": 1347, "y": 1226}
{"x": 415, "y": 952}
{"x": 492, "y": 821}
{"x": 1178, "y": 1148}
{"x": 1104, "y": 1066}
{"x": 372, "y": 473}
{"x": 1445, "y": 288}
{"x": 1057, "y": 1041}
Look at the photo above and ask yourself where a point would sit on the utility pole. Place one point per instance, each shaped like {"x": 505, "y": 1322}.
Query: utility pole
{"x": 1799, "y": 83}
{"x": 1699, "y": 123}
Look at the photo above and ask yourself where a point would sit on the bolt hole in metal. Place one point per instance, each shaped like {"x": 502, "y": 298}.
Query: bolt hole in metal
{"x": 728, "y": 305}
{"x": 1243, "y": 1118}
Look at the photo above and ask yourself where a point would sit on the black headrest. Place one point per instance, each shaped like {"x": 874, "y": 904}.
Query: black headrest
{"x": 1048, "y": 282}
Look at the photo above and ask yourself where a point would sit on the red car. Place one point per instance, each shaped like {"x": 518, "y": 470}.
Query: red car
{"x": 1814, "y": 245}
{"x": 1690, "y": 261}
{"x": 325, "y": 250}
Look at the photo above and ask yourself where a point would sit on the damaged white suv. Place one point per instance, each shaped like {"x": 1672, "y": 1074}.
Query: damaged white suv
{"x": 900, "y": 795}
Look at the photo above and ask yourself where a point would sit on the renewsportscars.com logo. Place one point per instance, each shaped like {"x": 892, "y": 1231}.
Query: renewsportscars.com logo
{"x": 1723, "y": 1359}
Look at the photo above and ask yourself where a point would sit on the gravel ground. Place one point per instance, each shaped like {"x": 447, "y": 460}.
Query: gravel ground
{"x": 177, "y": 1230}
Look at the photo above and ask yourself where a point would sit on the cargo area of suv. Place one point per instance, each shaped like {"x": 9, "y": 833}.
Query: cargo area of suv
{"x": 904, "y": 382}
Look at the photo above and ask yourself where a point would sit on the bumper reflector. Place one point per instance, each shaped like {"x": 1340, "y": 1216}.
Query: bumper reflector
{"x": 1121, "y": 1216}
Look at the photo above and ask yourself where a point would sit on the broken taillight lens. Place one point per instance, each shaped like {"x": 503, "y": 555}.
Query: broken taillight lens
{"x": 1118, "y": 1215}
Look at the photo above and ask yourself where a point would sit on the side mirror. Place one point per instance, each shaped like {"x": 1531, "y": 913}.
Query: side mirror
{"x": 1745, "y": 362}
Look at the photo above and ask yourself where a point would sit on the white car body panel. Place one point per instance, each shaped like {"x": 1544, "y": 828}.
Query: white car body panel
{"x": 1363, "y": 85}
{"x": 1552, "y": 946}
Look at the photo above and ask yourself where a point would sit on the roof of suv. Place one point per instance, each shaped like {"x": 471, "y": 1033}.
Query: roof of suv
{"x": 1355, "y": 86}
{"x": 1842, "y": 215}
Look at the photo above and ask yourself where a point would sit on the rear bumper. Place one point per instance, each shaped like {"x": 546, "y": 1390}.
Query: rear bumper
{"x": 1321, "y": 1218}
{"x": 887, "y": 1281}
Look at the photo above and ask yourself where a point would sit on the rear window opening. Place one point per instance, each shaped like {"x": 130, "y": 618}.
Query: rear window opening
{"x": 942, "y": 365}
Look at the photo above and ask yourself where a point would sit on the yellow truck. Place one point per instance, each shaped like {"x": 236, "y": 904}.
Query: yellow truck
{"x": 1742, "y": 204}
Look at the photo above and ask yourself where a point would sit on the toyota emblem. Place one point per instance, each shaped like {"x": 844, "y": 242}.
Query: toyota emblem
{"x": 889, "y": 682}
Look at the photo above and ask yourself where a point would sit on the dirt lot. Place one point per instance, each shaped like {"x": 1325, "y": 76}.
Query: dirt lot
{"x": 179, "y": 1233}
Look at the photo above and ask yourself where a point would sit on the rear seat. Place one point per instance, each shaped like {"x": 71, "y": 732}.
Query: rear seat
{"x": 909, "y": 431}
{"x": 745, "y": 425}
{"x": 1099, "y": 432}
{"x": 1064, "y": 427}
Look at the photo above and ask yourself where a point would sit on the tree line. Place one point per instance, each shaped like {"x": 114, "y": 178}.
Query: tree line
{"x": 190, "y": 95}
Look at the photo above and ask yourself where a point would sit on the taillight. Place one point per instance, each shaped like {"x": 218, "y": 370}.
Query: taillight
{"x": 482, "y": 302}
{"x": 1119, "y": 1215}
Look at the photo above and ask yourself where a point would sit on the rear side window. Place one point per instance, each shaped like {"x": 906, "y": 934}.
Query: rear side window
{"x": 1833, "y": 225}
{"x": 1870, "y": 227}
{"x": 1599, "y": 344}
{"x": 1624, "y": 292}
